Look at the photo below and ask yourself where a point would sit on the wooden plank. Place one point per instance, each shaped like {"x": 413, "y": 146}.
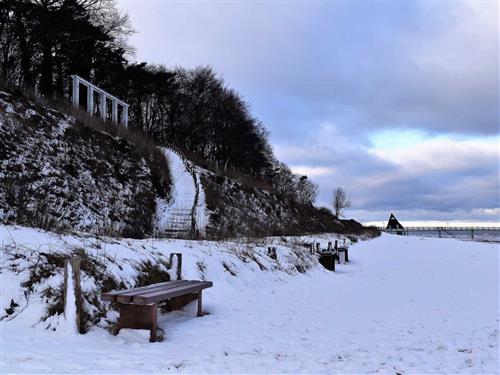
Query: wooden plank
{"x": 171, "y": 293}
{"x": 114, "y": 293}
{"x": 127, "y": 297}
{"x": 162, "y": 296}
{"x": 111, "y": 296}
{"x": 153, "y": 287}
{"x": 193, "y": 287}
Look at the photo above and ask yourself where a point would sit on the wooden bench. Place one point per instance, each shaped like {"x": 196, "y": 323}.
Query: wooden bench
{"x": 139, "y": 306}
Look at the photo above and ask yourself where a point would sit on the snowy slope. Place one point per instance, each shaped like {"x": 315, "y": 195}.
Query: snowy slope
{"x": 177, "y": 214}
{"x": 57, "y": 173}
{"x": 402, "y": 305}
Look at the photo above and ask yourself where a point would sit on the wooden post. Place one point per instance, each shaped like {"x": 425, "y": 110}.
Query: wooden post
{"x": 318, "y": 248}
{"x": 90, "y": 99}
{"x": 125, "y": 115}
{"x": 114, "y": 111}
{"x": 472, "y": 233}
{"x": 65, "y": 283}
{"x": 347, "y": 254}
{"x": 330, "y": 246}
{"x": 179, "y": 264}
{"x": 75, "y": 264}
{"x": 312, "y": 248}
{"x": 200, "y": 308}
{"x": 76, "y": 91}
{"x": 103, "y": 106}
{"x": 154, "y": 322}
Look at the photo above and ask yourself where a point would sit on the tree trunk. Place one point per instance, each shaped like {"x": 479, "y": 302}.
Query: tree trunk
{"x": 25, "y": 51}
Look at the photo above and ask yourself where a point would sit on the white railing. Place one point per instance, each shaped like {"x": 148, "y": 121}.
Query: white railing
{"x": 103, "y": 96}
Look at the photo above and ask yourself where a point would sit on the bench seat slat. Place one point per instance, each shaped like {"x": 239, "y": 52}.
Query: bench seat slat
{"x": 118, "y": 292}
{"x": 154, "y": 287}
{"x": 196, "y": 284}
{"x": 160, "y": 295}
{"x": 111, "y": 295}
{"x": 127, "y": 297}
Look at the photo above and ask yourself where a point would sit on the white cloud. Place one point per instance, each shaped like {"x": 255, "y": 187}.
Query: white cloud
{"x": 312, "y": 171}
{"x": 488, "y": 212}
{"x": 442, "y": 153}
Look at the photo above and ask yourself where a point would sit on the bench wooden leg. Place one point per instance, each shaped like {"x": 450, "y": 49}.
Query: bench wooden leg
{"x": 139, "y": 317}
{"x": 200, "y": 308}
{"x": 154, "y": 322}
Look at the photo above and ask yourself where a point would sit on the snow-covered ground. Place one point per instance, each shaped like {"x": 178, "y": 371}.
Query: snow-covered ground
{"x": 402, "y": 305}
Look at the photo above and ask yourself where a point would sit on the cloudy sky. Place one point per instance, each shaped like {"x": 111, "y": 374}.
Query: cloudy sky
{"x": 397, "y": 102}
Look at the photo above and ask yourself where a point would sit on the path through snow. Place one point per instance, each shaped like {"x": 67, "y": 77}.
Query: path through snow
{"x": 176, "y": 215}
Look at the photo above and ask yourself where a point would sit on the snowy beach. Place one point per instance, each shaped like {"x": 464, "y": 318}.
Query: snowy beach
{"x": 402, "y": 305}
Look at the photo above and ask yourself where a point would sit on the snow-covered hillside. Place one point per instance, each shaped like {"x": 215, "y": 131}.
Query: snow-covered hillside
{"x": 70, "y": 172}
{"x": 402, "y": 305}
{"x": 60, "y": 173}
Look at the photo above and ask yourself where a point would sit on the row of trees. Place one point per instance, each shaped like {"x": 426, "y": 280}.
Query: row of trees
{"x": 197, "y": 112}
{"x": 43, "y": 42}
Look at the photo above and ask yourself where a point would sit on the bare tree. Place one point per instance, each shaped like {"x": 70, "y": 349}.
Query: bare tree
{"x": 306, "y": 190}
{"x": 340, "y": 201}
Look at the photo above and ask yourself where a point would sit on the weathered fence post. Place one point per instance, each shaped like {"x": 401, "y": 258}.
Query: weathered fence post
{"x": 75, "y": 265}
{"x": 179, "y": 264}
{"x": 76, "y": 91}
{"x": 102, "y": 106}
{"x": 318, "y": 248}
{"x": 65, "y": 283}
